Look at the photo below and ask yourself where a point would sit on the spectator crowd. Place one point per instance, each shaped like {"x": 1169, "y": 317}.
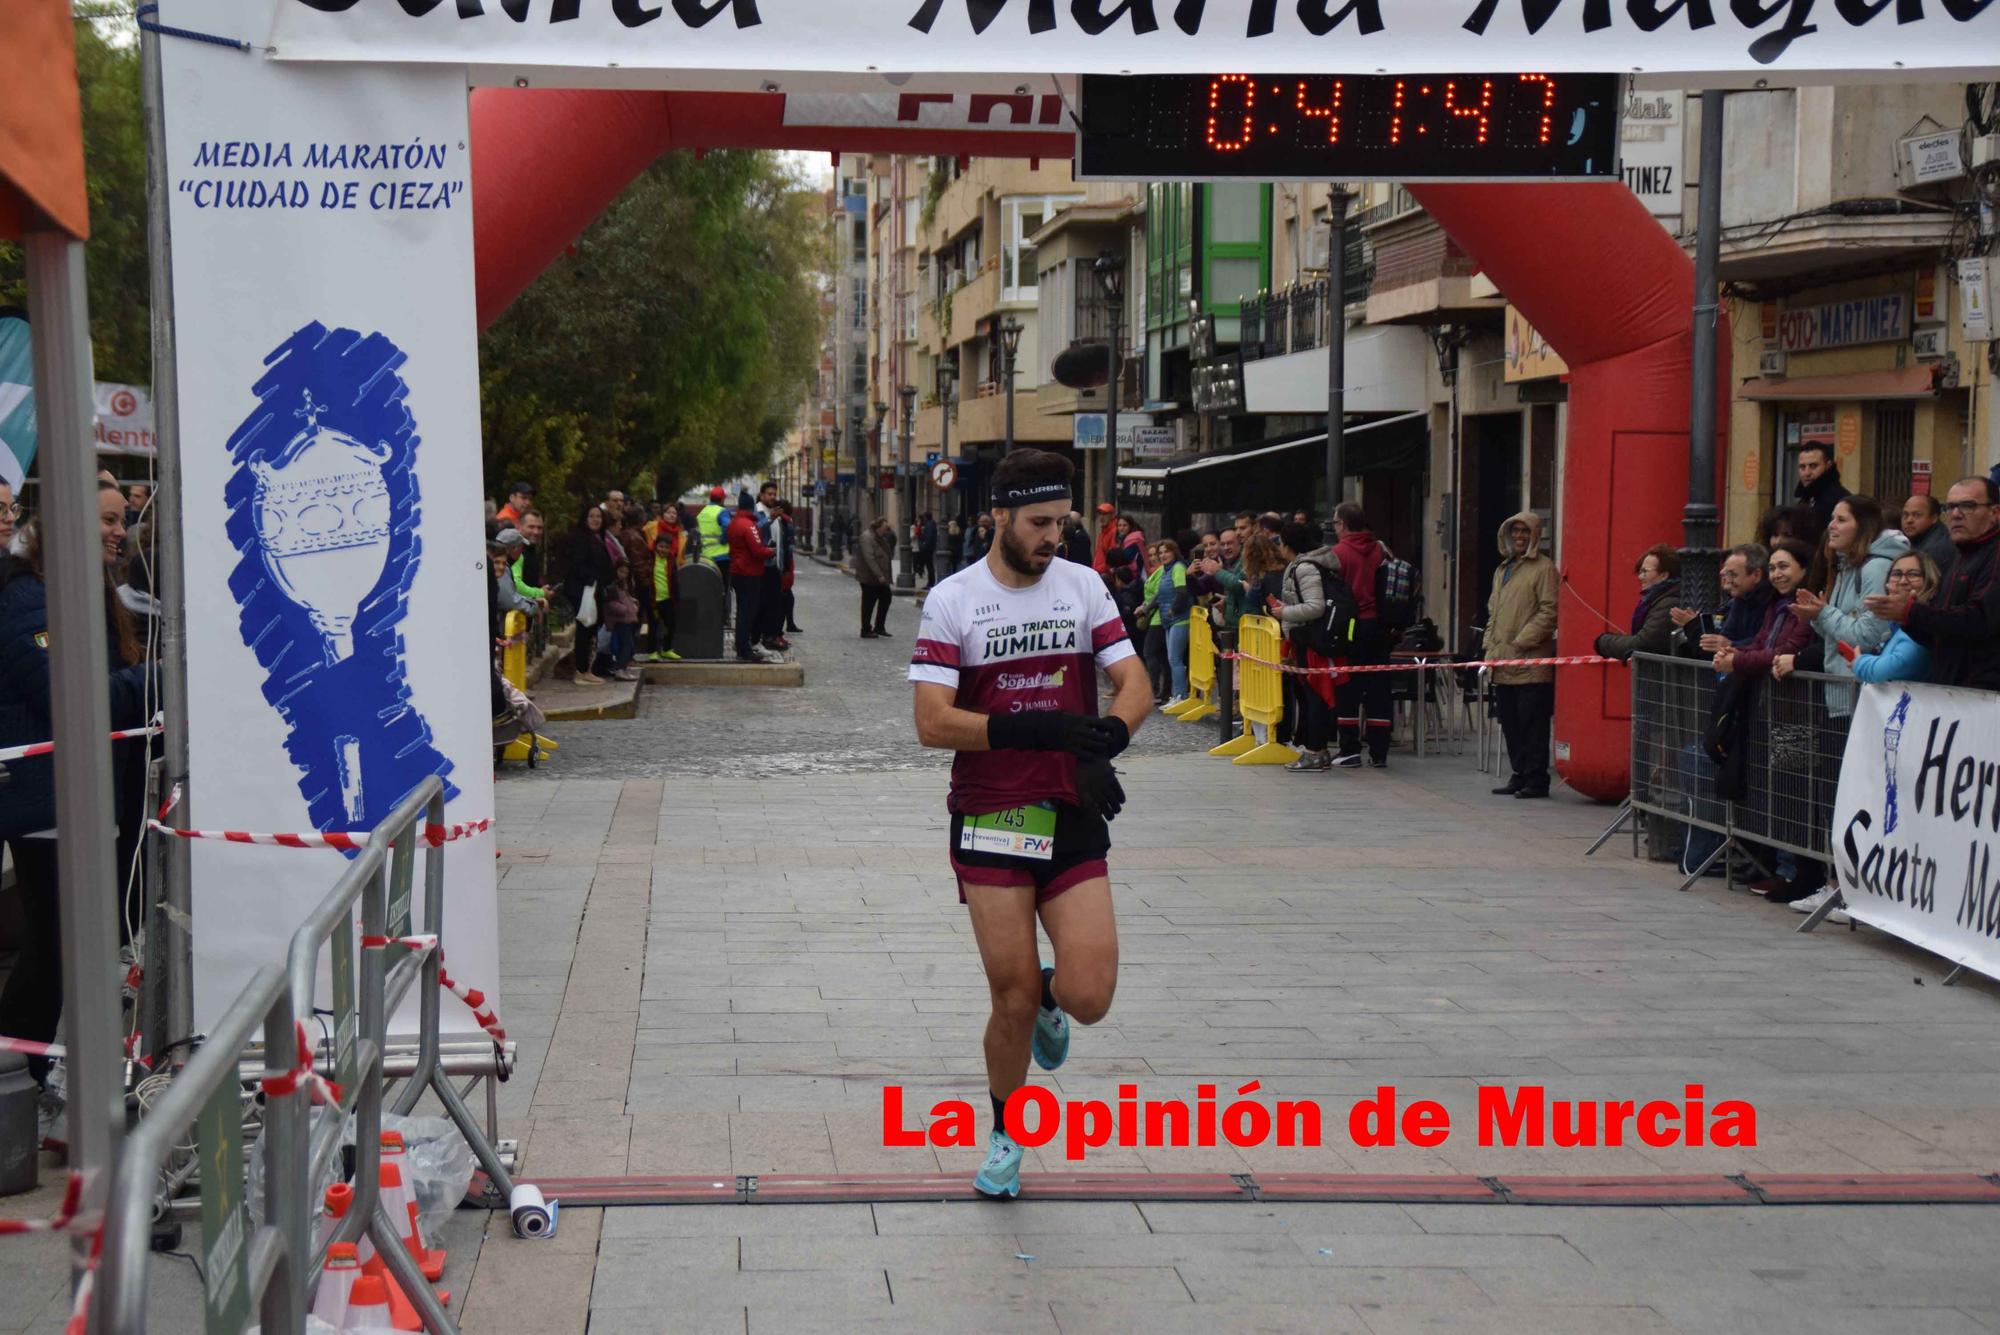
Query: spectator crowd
{"x": 616, "y": 574}
{"x": 1838, "y": 587}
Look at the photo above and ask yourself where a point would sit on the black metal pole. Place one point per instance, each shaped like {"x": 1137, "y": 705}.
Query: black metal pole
{"x": 1699, "y": 519}
{"x": 1225, "y": 681}
{"x": 906, "y": 495}
{"x": 1007, "y": 353}
{"x": 1117, "y": 306}
{"x": 1336, "y": 346}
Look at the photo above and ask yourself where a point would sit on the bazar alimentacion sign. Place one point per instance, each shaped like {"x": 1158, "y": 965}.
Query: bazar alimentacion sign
{"x": 1690, "y": 37}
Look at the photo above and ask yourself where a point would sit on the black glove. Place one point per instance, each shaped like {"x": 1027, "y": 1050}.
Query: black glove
{"x": 1117, "y": 735}
{"x": 1098, "y": 791}
{"x": 1082, "y": 736}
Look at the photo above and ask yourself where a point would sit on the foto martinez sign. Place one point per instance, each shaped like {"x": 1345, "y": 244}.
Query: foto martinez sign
{"x": 1916, "y": 825}
{"x": 1694, "y": 38}
{"x": 1839, "y": 324}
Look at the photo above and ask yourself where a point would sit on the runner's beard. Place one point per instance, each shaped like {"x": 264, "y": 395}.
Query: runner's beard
{"x": 1020, "y": 557}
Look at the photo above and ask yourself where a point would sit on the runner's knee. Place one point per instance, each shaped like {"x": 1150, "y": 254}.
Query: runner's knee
{"x": 1085, "y": 993}
{"x": 1016, "y": 1001}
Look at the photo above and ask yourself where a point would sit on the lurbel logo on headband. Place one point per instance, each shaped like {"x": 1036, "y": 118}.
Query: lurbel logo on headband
{"x": 1047, "y": 491}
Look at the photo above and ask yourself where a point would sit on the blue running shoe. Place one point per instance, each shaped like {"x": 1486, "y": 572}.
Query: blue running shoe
{"x": 1051, "y": 1041}
{"x": 1000, "y": 1176}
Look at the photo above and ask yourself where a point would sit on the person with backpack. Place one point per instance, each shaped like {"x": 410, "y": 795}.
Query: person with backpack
{"x": 1315, "y": 608}
{"x": 1361, "y": 705}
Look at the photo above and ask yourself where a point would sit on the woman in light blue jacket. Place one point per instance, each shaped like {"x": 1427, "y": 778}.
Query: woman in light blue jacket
{"x": 1902, "y": 658}
{"x": 1853, "y": 564}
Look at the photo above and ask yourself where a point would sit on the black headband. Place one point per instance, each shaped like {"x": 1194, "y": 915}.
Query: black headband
{"x": 1034, "y": 495}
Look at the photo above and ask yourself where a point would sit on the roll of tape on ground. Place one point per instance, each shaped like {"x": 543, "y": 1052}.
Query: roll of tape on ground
{"x": 533, "y": 1217}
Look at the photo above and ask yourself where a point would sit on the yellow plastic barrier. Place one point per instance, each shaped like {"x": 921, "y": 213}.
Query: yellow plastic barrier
{"x": 1263, "y": 689}
{"x": 1200, "y": 703}
{"x": 529, "y": 746}
{"x": 514, "y": 658}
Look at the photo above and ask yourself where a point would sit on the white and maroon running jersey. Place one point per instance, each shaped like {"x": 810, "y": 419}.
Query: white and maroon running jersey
{"x": 1009, "y": 650}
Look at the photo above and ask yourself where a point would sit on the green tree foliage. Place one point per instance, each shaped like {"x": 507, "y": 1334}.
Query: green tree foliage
{"x": 114, "y": 151}
{"x": 671, "y": 345}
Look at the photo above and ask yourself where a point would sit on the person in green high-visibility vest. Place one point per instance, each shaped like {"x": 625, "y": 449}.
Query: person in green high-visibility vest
{"x": 711, "y": 527}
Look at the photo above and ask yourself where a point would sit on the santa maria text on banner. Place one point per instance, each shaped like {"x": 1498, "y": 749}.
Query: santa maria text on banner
{"x": 1916, "y": 829}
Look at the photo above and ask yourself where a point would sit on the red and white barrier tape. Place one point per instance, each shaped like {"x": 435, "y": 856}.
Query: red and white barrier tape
{"x": 45, "y": 748}
{"x": 31, "y": 1048}
{"x": 471, "y": 996}
{"x": 64, "y": 1216}
{"x": 352, "y": 841}
{"x": 1577, "y": 660}
{"x": 79, "y": 1308}
{"x": 305, "y": 1073}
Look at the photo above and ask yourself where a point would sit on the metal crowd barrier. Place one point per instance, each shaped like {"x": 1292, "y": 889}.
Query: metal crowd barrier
{"x": 1792, "y": 748}
{"x": 276, "y": 1264}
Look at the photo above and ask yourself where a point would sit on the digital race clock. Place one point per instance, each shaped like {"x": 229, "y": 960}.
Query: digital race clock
{"x": 1341, "y": 127}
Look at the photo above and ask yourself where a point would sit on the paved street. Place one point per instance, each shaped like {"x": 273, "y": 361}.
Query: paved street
{"x": 728, "y": 924}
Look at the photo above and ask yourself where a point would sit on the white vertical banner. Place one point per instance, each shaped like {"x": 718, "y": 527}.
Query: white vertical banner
{"x": 329, "y": 430}
{"x": 1916, "y": 824}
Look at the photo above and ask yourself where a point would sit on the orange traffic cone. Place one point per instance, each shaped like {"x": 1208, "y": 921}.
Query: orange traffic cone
{"x": 401, "y": 1203}
{"x": 401, "y": 1200}
{"x": 339, "y": 1200}
{"x": 402, "y": 1312}
{"x": 368, "y": 1305}
{"x": 336, "y": 1284}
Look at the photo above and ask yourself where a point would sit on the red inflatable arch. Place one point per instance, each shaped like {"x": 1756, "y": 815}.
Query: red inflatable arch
{"x": 1586, "y": 264}
{"x": 1602, "y": 281}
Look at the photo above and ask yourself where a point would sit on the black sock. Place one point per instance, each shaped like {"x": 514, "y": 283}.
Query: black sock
{"x": 999, "y": 1111}
{"x": 1048, "y": 996}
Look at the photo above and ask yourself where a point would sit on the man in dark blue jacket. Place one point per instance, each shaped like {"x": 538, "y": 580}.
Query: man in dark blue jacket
{"x": 31, "y": 1003}
{"x": 1745, "y": 596}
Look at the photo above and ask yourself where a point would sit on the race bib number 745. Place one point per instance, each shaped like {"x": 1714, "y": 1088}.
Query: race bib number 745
{"x": 1018, "y": 832}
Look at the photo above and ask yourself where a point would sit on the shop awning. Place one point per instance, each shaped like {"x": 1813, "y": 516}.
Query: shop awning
{"x": 41, "y": 122}
{"x": 1912, "y": 382}
{"x": 1239, "y": 456}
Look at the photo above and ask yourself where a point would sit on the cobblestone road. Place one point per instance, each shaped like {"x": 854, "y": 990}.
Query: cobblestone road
{"x": 852, "y": 716}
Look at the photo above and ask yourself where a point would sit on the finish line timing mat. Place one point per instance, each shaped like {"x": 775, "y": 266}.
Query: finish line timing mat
{"x": 1739, "y": 1189}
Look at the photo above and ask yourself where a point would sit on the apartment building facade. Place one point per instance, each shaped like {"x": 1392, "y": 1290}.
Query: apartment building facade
{"x": 1852, "y": 323}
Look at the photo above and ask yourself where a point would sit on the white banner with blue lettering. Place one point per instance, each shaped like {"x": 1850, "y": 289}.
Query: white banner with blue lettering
{"x": 1916, "y": 827}
{"x": 1648, "y": 38}
{"x": 338, "y": 648}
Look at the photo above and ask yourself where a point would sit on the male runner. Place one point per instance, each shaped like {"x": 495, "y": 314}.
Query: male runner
{"x": 1005, "y": 669}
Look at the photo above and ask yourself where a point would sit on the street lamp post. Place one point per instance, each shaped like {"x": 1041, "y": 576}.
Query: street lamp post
{"x": 1110, "y": 270}
{"x": 832, "y": 541}
{"x": 866, "y": 485}
{"x": 947, "y": 374}
{"x": 1336, "y": 346}
{"x": 1010, "y": 343}
{"x": 906, "y": 574}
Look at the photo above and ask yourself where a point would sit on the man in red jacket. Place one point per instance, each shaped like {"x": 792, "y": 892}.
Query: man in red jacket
{"x": 1361, "y": 704}
{"x": 747, "y": 555}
